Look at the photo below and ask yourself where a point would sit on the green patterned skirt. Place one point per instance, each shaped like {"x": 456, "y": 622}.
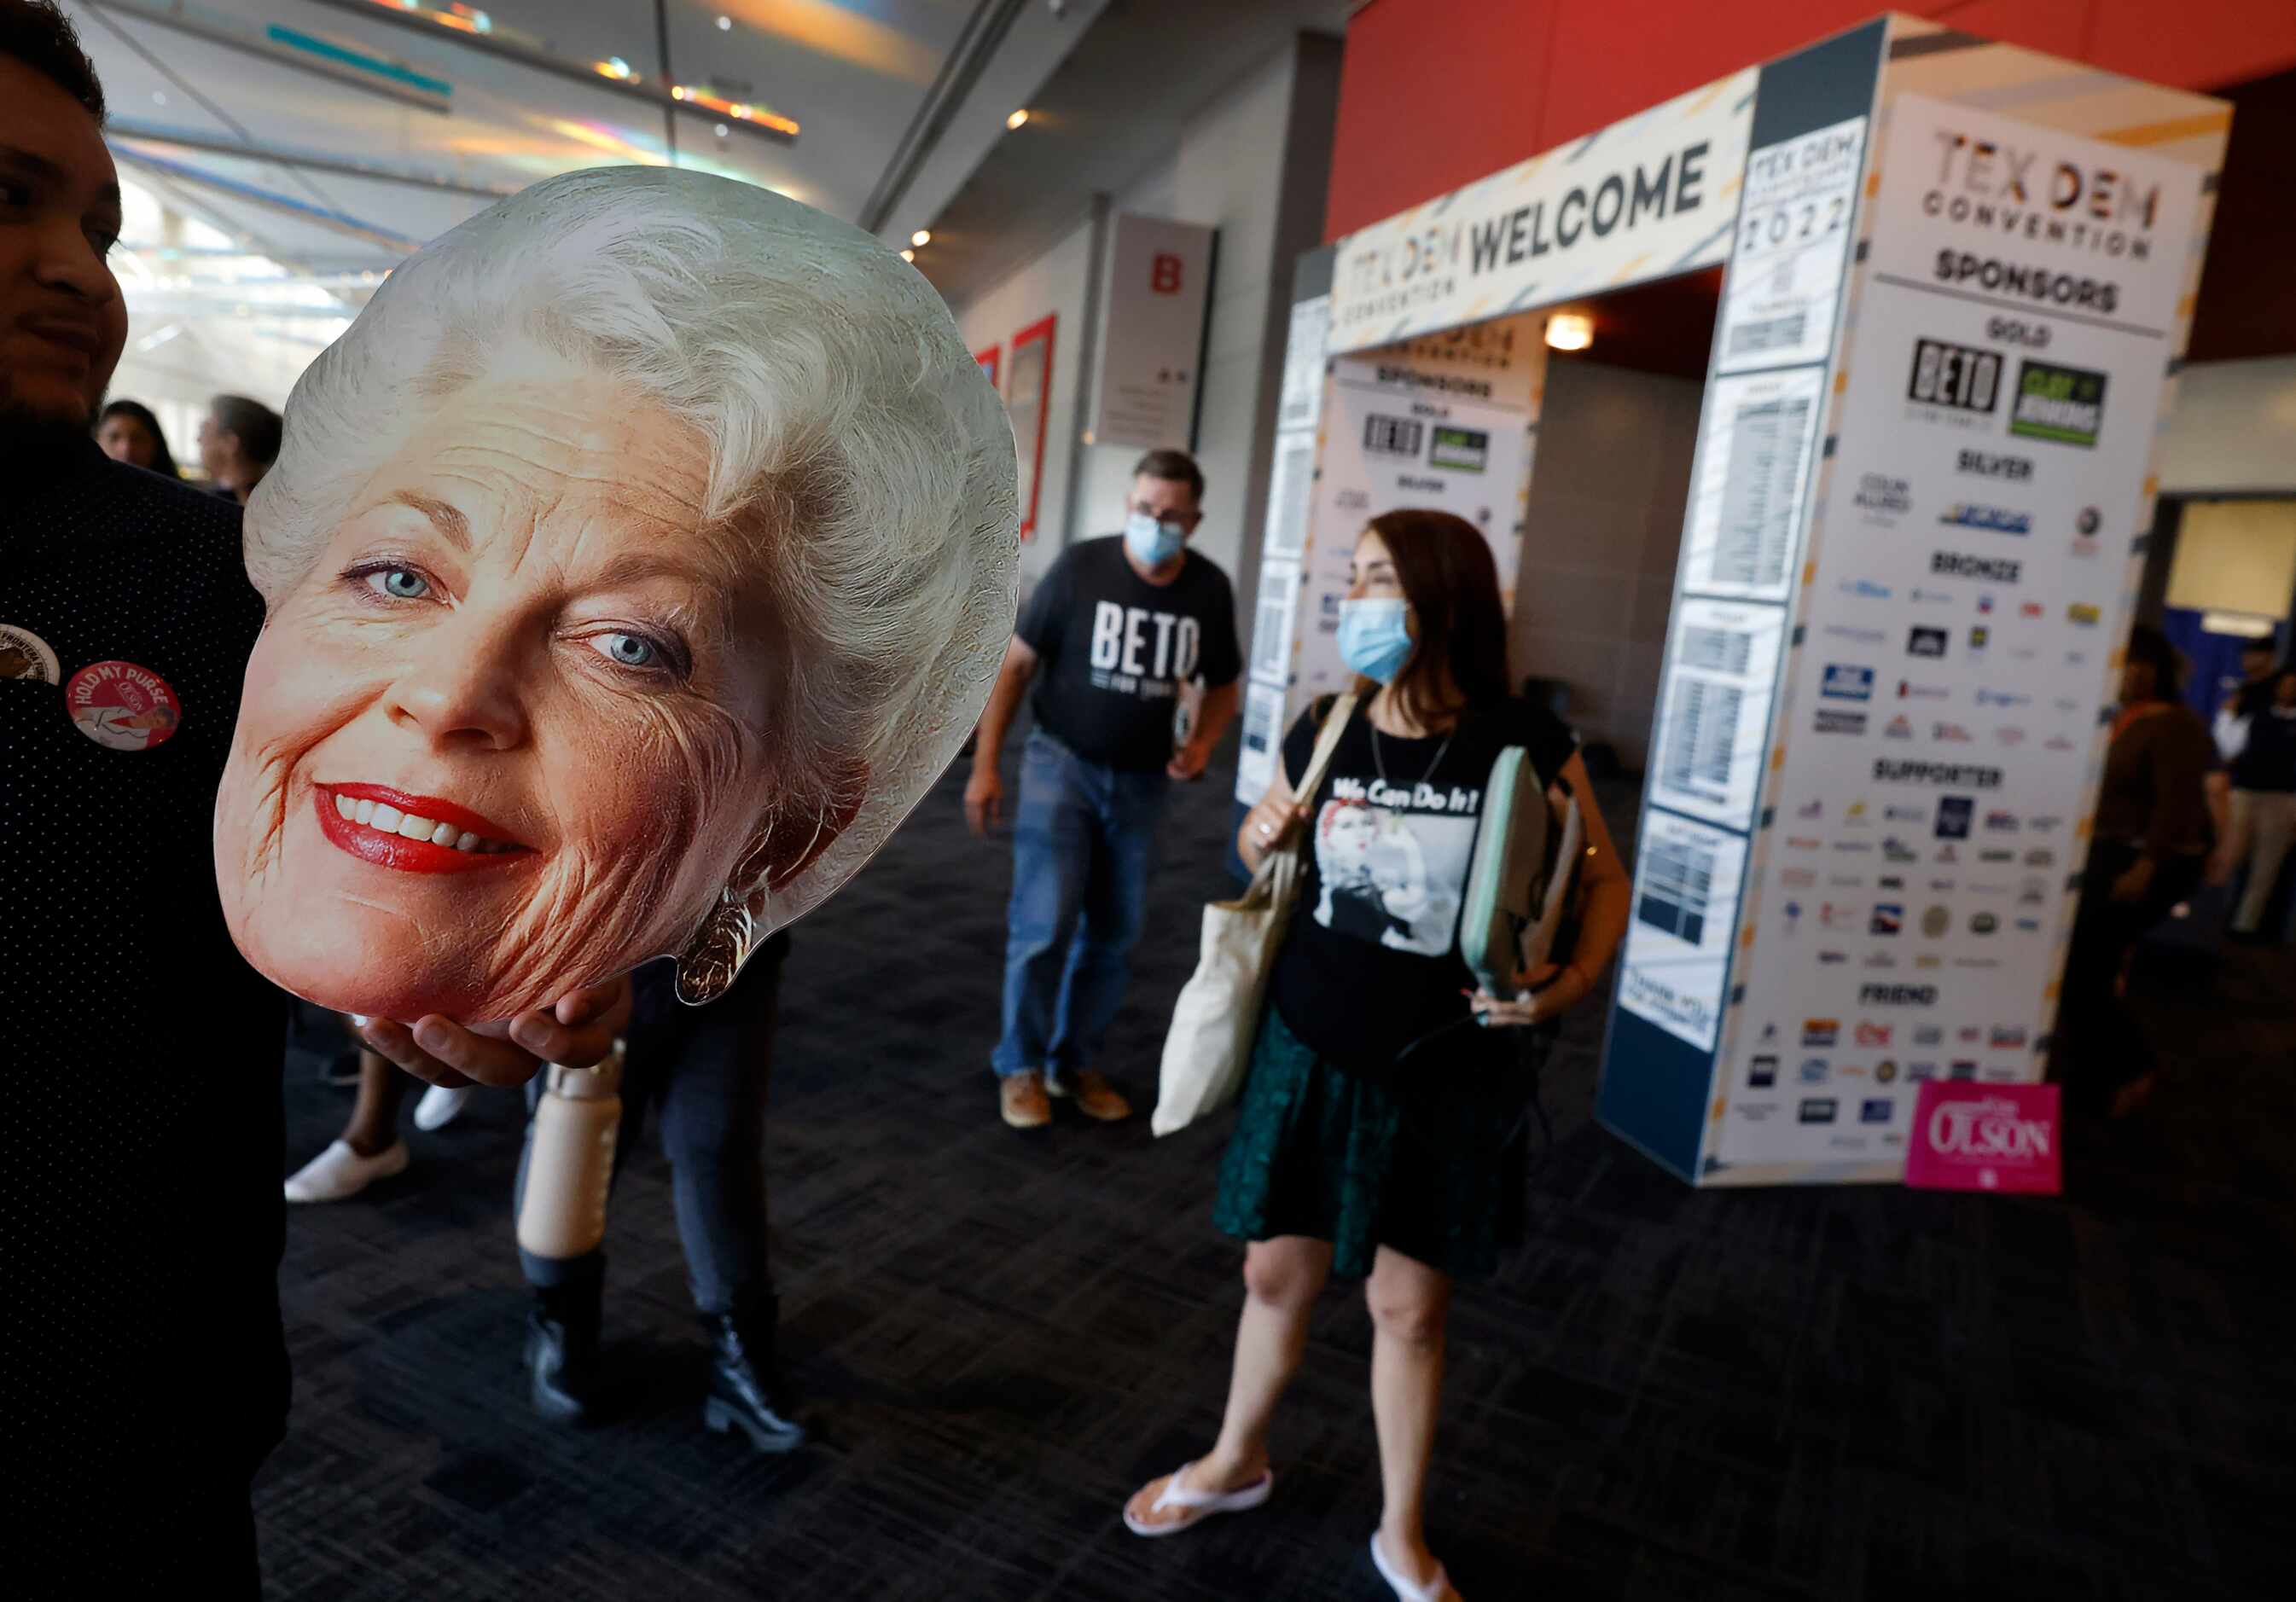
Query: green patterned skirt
{"x": 1321, "y": 1152}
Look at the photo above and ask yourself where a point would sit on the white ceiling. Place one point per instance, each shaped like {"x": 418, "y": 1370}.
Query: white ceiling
{"x": 852, "y": 73}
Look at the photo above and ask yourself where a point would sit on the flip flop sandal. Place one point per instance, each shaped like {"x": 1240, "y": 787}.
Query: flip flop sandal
{"x": 1434, "y": 1591}
{"x": 1199, "y": 1504}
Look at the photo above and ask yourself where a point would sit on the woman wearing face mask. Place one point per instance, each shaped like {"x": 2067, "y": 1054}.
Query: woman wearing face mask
{"x": 1345, "y": 1161}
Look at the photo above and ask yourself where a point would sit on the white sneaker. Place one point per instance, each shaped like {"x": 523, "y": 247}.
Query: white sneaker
{"x": 338, "y": 1173}
{"x": 440, "y": 1106}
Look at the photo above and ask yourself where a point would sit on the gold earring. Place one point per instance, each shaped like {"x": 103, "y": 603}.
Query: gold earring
{"x": 711, "y": 960}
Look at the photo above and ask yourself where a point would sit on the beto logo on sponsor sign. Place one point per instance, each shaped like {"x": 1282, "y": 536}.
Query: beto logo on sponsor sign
{"x": 1954, "y": 816}
{"x": 1925, "y": 642}
{"x": 1985, "y": 570}
{"x": 1817, "y": 1110}
{"x": 1992, "y": 519}
{"x": 1986, "y": 464}
{"x": 1955, "y": 376}
{"x": 1845, "y": 681}
{"x": 1762, "y": 1073}
{"x": 2065, "y": 404}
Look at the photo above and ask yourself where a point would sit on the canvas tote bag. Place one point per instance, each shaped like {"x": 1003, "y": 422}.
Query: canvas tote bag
{"x": 1218, "y": 1015}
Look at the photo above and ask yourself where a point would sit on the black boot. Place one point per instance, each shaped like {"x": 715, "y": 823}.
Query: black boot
{"x": 746, "y": 1392}
{"x": 562, "y": 1352}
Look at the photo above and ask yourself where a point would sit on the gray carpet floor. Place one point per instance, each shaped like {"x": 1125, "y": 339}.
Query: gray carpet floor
{"x": 1844, "y": 1395}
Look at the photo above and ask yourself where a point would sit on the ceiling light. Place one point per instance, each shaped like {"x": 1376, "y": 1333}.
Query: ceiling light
{"x": 1569, "y": 330}
{"x": 678, "y": 93}
{"x": 908, "y": 255}
{"x": 723, "y": 130}
{"x": 158, "y": 98}
{"x": 724, "y": 24}
{"x": 1017, "y": 119}
{"x": 920, "y": 238}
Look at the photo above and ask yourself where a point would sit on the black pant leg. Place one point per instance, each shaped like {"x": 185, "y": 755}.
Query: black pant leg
{"x": 713, "y": 1119}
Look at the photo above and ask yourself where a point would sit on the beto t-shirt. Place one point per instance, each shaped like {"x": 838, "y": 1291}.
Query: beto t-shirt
{"x": 1113, "y": 650}
{"x": 1372, "y": 962}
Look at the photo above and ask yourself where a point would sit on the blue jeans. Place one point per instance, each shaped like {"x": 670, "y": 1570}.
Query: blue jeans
{"x": 1084, "y": 842}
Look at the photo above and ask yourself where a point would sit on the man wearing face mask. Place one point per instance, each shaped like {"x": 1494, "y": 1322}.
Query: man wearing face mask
{"x": 1117, "y": 637}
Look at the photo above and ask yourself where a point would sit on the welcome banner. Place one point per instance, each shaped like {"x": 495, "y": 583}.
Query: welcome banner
{"x": 1647, "y": 198}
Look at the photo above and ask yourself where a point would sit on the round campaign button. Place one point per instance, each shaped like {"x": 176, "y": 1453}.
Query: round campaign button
{"x": 24, "y": 655}
{"x": 122, "y": 705}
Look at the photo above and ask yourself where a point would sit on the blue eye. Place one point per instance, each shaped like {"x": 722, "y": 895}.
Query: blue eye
{"x": 400, "y": 583}
{"x": 629, "y": 650}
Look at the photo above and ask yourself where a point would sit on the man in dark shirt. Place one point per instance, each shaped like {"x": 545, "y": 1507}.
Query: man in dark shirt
{"x": 143, "y": 1372}
{"x": 1122, "y": 638}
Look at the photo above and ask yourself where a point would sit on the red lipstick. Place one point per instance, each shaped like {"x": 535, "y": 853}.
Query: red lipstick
{"x": 372, "y": 845}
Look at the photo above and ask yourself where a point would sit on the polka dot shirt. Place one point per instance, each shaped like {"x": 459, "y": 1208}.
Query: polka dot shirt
{"x": 141, "y": 1371}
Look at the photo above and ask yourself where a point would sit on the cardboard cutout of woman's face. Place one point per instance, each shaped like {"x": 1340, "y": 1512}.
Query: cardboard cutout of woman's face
{"x": 511, "y": 734}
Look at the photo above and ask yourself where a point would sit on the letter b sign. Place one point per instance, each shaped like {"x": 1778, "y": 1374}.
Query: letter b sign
{"x": 1164, "y": 273}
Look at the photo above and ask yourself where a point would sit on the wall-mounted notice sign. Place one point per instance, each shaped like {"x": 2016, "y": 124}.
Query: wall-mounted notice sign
{"x": 1786, "y": 276}
{"x": 1678, "y": 955}
{"x": 1647, "y": 198}
{"x": 1722, "y": 664}
{"x": 1941, "y": 724}
{"x": 1152, "y": 304}
{"x": 1754, "y": 463}
{"x": 1027, "y": 402}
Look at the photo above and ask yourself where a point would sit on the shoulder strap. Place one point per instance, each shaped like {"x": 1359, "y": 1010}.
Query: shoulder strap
{"x": 1327, "y": 740}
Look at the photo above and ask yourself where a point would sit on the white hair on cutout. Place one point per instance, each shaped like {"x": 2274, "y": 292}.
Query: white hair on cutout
{"x": 847, "y": 423}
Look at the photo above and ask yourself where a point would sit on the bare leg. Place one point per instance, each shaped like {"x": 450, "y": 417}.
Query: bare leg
{"x": 1282, "y": 1277}
{"x": 373, "y": 1127}
{"x": 1409, "y": 1301}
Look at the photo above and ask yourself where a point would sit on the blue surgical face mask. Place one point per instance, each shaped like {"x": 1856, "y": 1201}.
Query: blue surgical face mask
{"x": 1152, "y": 543}
{"x": 1374, "y": 637}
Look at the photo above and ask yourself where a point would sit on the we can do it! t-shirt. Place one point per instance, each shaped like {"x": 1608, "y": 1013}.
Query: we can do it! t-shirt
{"x": 1372, "y": 960}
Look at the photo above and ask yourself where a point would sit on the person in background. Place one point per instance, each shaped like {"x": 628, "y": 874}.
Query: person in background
{"x": 2262, "y": 746}
{"x": 704, "y": 1069}
{"x": 2152, "y": 836}
{"x": 239, "y": 440}
{"x": 2257, "y": 659}
{"x": 128, "y": 432}
{"x": 1114, "y": 638}
{"x": 370, "y": 1147}
{"x": 1357, "y": 1152}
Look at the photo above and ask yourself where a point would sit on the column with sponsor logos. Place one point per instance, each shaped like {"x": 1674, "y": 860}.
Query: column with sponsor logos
{"x": 1736, "y": 590}
{"x": 2022, "y": 282}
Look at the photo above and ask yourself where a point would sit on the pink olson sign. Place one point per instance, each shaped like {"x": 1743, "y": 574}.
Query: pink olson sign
{"x": 1986, "y": 1137}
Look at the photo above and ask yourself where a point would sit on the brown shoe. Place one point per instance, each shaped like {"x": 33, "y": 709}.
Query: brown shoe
{"x": 1022, "y": 1097}
{"x": 1094, "y": 1097}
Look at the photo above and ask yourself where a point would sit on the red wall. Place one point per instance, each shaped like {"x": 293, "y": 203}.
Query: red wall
{"x": 1434, "y": 93}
